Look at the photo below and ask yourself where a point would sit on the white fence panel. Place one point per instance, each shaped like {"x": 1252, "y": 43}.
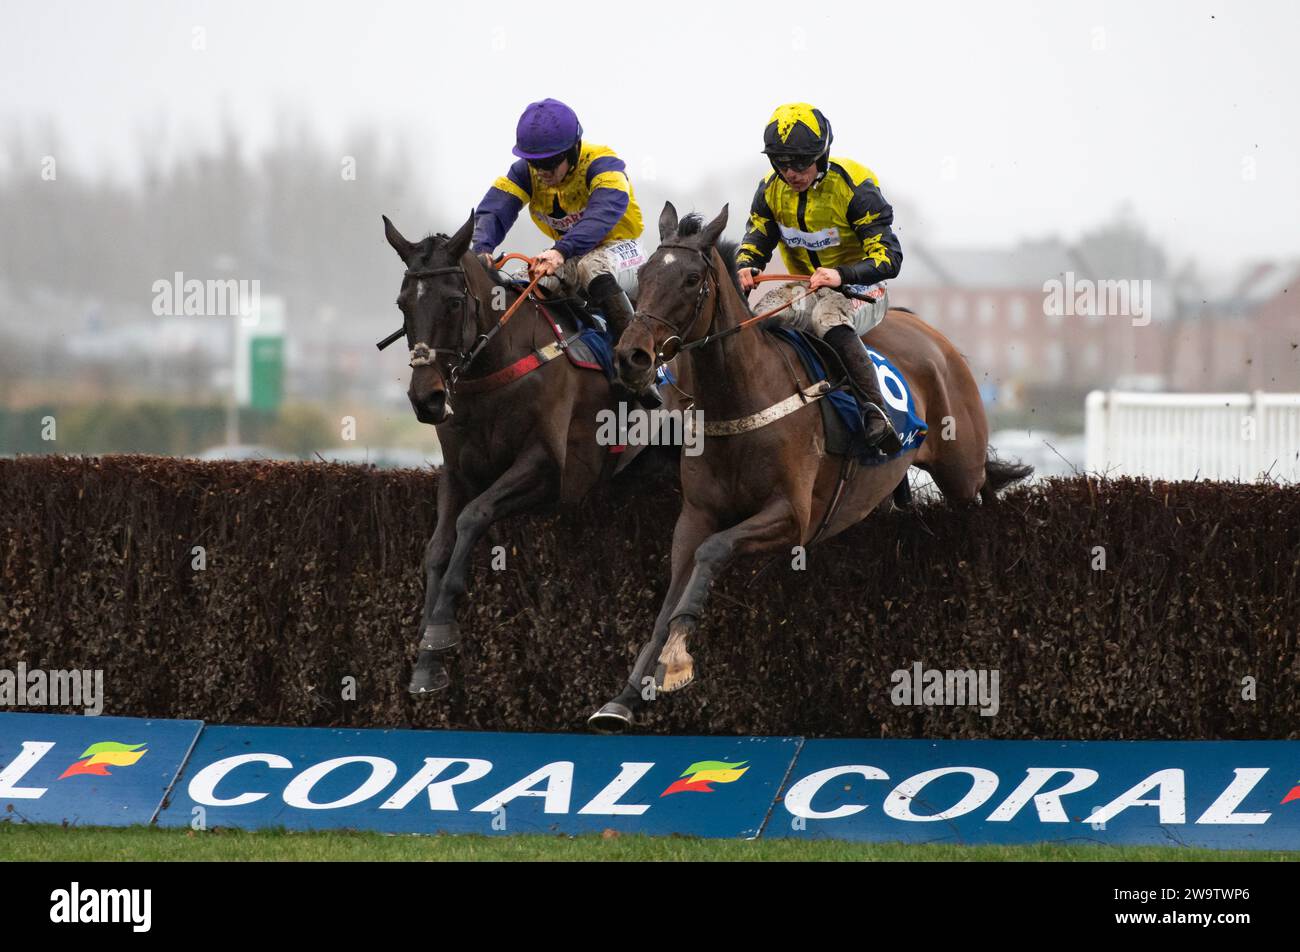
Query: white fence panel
{"x": 1233, "y": 436}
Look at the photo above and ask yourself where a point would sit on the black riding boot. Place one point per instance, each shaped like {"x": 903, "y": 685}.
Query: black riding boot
{"x": 611, "y": 299}
{"x": 862, "y": 377}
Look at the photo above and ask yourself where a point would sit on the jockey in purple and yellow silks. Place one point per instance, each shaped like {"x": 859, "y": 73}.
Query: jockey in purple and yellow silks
{"x": 832, "y": 223}
{"x": 577, "y": 193}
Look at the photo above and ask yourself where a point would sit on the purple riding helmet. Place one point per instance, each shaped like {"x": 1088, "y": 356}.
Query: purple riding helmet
{"x": 545, "y": 129}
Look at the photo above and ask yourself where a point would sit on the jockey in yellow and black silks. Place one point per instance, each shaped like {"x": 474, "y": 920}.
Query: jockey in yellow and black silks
{"x": 577, "y": 193}
{"x": 832, "y": 223}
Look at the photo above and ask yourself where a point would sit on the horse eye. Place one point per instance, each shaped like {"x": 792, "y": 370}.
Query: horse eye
{"x": 693, "y": 279}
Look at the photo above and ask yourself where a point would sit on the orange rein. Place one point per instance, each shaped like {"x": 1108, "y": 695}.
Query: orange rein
{"x": 527, "y": 291}
{"x": 513, "y": 256}
{"x": 797, "y": 278}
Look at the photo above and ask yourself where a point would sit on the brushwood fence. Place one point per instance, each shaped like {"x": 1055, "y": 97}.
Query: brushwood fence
{"x": 306, "y": 606}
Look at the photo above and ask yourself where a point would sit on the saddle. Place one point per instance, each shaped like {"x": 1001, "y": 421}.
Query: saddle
{"x": 579, "y": 327}
{"x": 841, "y": 413}
{"x": 574, "y": 312}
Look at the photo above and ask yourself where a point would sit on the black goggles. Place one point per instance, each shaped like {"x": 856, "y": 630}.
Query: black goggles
{"x": 793, "y": 163}
{"x": 550, "y": 163}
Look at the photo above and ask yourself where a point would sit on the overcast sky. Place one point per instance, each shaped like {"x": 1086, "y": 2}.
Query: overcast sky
{"x": 990, "y": 121}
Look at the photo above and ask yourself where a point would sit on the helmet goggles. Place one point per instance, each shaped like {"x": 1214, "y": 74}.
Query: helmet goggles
{"x": 550, "y": 163}
{"x": 793, "y": 163}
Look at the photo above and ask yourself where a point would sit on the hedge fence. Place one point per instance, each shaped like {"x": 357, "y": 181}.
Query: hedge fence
{"x": 305, "y": 609}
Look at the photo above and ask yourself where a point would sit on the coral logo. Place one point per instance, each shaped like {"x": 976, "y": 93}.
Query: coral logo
{"x": 1293, "y": 795}
{"x": 697, "y": 777}
{"x": 99, "y": 757}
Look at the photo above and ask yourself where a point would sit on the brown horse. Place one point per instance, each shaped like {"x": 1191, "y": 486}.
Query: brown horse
{"x": 522, "y": 434}
{"x": 764, "y": 482}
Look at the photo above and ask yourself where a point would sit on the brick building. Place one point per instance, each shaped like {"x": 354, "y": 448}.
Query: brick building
{"x": 999, "y": 308}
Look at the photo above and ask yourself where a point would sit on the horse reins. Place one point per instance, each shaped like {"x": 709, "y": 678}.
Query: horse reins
{"x": 701, "y": 297}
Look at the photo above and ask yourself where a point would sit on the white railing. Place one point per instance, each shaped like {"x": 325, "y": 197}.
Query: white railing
{"x": 1232, "y": 436}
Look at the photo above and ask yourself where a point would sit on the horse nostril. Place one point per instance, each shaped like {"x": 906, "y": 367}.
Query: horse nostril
{"x": 639, "y": 359}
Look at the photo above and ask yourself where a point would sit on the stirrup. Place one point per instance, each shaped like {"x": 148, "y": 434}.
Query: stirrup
{"x": 887, "y": 442}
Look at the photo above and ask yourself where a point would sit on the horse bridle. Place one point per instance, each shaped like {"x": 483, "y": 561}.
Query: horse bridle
{"x": 423, "y": 355}
{"x": 663, "y": 354}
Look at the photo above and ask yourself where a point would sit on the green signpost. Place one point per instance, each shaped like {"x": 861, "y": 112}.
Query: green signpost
{"x": 260, "y": 356}
{"x": 266, "y": 372}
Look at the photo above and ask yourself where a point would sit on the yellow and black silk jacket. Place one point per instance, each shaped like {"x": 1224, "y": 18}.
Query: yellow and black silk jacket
{"x": 841, "y": 221}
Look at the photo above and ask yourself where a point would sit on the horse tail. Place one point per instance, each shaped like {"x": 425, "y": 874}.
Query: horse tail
{"x": 999, "y": 474}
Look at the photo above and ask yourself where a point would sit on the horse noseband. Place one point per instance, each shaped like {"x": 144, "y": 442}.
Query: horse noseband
{"x": 422, "y": 355}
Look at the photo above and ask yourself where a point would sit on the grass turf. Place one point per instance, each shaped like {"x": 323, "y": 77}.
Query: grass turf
{"x": 54, "y": 843}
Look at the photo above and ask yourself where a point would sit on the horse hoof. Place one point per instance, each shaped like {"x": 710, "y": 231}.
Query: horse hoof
{"x": 676, "y": 666}
{"x": 428, "y": 679}
{"x": 613, "y": 718}
{"x": 674, "y": 679}
{"x": 440, "y": 637}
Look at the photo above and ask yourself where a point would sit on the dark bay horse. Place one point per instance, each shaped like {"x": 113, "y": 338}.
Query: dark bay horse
{"x": 769, "y": 485}
{"x": 522, "y": 431}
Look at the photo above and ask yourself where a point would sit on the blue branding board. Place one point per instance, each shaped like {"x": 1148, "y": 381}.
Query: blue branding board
{"x": 118, "y": 771}
{"x": 89, "y": 771}
{"x": 466, "y": 782}
{"x": 1215, "y": 794}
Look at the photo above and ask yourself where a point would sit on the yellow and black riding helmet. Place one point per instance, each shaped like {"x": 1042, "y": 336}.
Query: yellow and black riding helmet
{"x": 796, "y": 132}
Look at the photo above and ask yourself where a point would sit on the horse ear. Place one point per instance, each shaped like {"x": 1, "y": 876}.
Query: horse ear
{"x": 400, "y": 244}
{"x": 667, "y": 222}
{"x": 713, "y": 230}
{"x": 458, "y": 244}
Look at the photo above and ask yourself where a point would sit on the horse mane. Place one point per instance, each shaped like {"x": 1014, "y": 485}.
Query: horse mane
{"x": 426, "y": 246}
{"x": 693, "y": 224}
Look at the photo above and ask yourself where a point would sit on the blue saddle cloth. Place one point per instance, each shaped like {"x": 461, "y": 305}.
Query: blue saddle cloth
{"x": 899, "y": 404}
{"x": 592, "y": 348}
